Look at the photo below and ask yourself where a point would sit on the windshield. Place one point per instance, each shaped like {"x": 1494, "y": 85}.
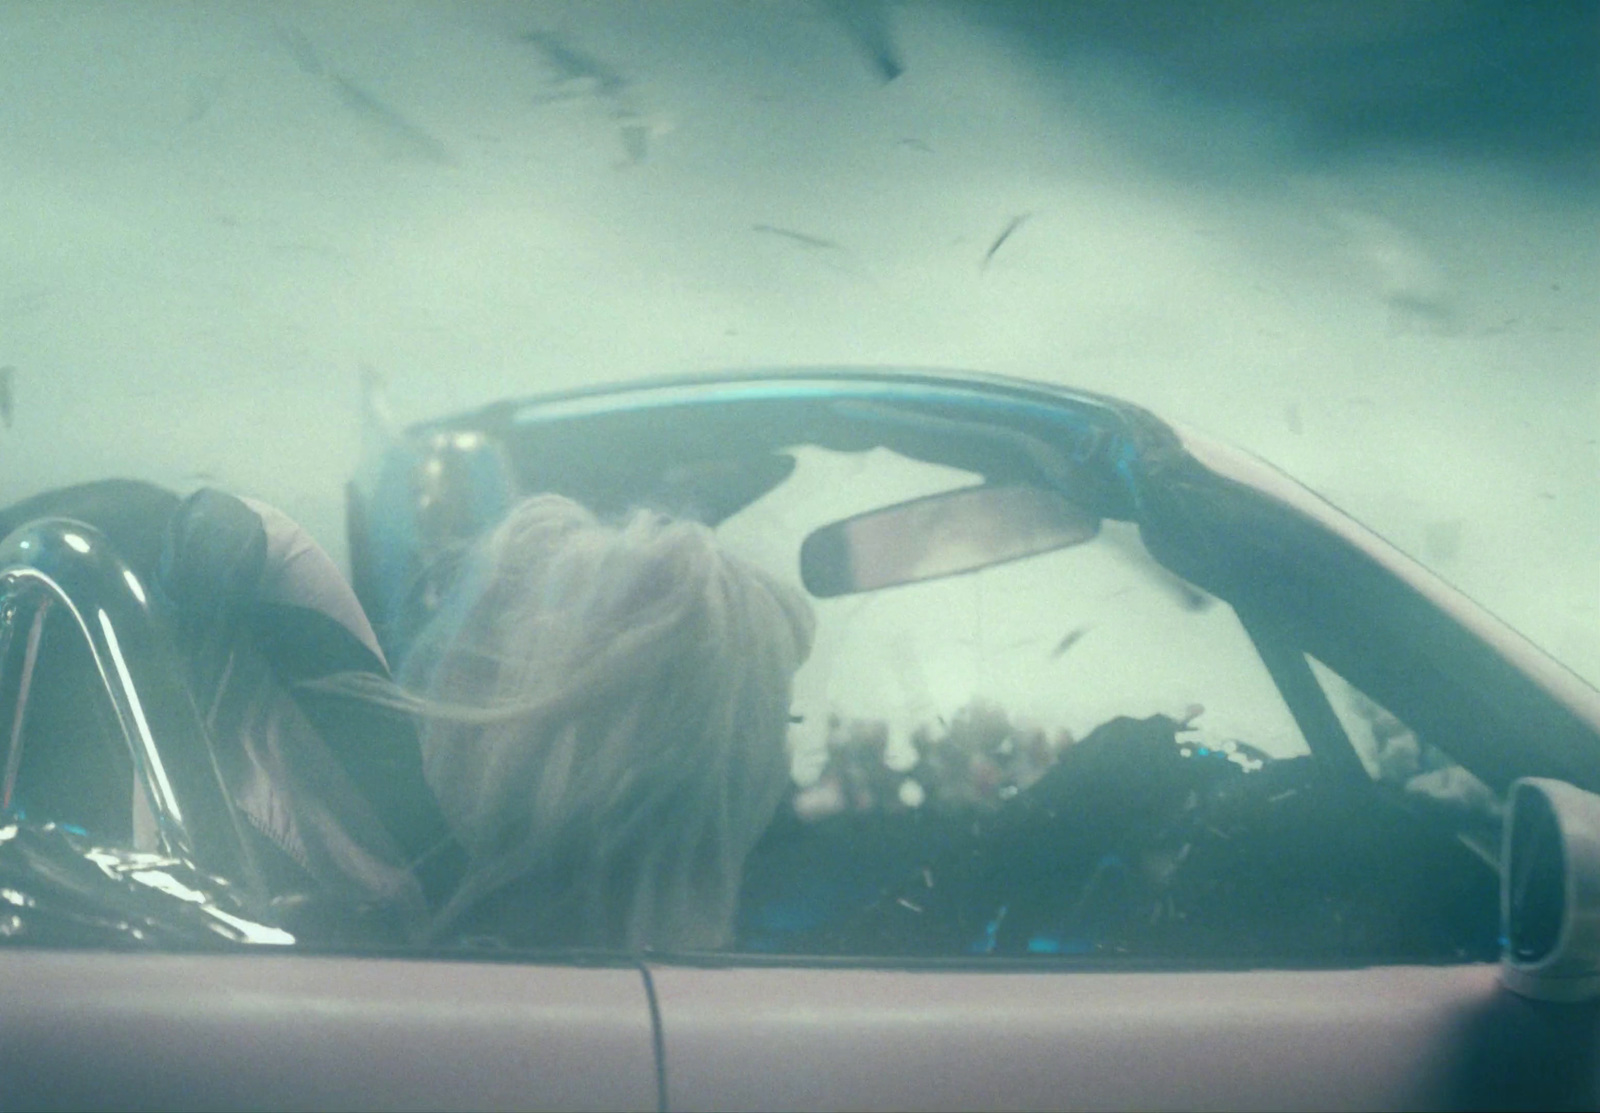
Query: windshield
{"x": 248, "y": 247}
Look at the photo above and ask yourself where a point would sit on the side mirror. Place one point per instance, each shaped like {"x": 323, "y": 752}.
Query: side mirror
{"x": 1550, "y": 892}
{"x": 940, "y": 535}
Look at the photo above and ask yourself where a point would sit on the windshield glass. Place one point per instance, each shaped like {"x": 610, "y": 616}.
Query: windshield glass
{"x": 249, "y": 246}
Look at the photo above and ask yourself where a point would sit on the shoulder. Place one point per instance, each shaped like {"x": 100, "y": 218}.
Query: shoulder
{"x": 299, "y": 574}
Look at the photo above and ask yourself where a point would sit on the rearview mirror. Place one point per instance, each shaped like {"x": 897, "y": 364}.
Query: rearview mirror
{"x": 940, "y": 535}
{"x": 1550, "y": 892}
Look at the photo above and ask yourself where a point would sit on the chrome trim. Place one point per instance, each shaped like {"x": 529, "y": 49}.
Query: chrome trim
{"x": 59, "y": 563}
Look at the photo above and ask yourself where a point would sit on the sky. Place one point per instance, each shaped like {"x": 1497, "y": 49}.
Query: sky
{"x": 1360, "y": 240}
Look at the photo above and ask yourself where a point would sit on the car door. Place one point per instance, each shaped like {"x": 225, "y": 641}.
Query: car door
{"x": 958, "y": 1036}
{"x": 102, "y": 1030}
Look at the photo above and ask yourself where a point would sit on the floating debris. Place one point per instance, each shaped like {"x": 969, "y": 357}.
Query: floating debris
{"x": 1005, "y": 234}
{"x": 635, "y": 131}
{"x": 301, "y": 52}
{"x": 1403, "y": 272}
{"x": 414, "y": 139}
{"x": 816, "y": 243}
{"x": 867, "y": 24}
{"x": 576, "y": 74}
{"x": 1069, "y": 641}
{"x": 408, "y": 136}
{"x": 574, "y": 67}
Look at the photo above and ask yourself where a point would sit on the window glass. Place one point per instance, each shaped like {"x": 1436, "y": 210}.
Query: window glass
{"x": 1019, "y": 760}
{"x": 1078, "y": 754}
{"x": 1056, "y": 643}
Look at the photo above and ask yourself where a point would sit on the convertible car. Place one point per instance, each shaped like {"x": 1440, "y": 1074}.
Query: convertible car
{"x": 1128, "y": 773}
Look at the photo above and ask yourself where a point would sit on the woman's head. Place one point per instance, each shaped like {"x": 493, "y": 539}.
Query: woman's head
{"x": 611, "y": 704}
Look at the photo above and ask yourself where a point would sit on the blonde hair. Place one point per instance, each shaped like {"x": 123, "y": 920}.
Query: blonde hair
{"x": 607, "y": 709}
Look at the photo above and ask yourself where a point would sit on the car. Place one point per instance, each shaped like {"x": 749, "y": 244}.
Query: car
{"x": 1128, "y": 773}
